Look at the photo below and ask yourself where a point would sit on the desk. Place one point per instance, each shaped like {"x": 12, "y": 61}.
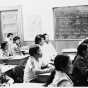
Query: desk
{"x": 17, "y": 60}
{"x": 44, "y": 77}
{"x": 24, "y": 85}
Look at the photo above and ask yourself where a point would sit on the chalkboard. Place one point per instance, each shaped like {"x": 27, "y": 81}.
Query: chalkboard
{"x": 71, "y": 22}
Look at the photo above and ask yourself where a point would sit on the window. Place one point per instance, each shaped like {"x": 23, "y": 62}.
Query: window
{"x": 11, "y": 22}
{"x": 71, "y": 22}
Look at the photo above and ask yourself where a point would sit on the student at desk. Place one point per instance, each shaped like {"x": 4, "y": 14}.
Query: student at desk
{"x": 16, "y": 48}
{"x": 45, "y": 52}
{"x": 60, "y": 76}
{"x": 4, "y": 53}
{"x": 9, "y": 39}
{"x": 34, "y": 65}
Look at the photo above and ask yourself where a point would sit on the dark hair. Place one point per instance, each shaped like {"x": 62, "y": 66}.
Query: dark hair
{"x": 38, "y": 38}
{"x": 33, "y": 50}
{"x": 61, "y": 64}
{"x": 85, "y": 41}
{"x": 3, "y": 45}
{"x": 44, "y": 35}
{"x": 82, "y": 47}
{"x": 8, "y": 35}
{"x": 16, "y": 38}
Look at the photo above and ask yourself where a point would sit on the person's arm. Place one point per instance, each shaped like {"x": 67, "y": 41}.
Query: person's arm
{"x": 48, "y": 69}
{"x": 41, "y": 71}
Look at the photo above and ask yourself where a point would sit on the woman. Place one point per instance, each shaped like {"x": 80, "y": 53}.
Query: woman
{"x": 34, "y": 65}
{"x": 60, "y": 76}
{"x": 80, "y": 66}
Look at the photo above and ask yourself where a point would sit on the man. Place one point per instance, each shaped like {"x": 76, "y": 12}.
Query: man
{"x": 9, "y": 39}
{"x": 34, "y": 66}
{"x": 48, "y": 50}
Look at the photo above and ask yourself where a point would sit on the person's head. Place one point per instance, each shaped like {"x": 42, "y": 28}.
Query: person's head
{"x": 10, "y": 36}
{"x": 16, "y": 39}
{"x": 82, "y": 49}
{"x": 85, "y": 41}
{"x": 39, "y": 39}
{"x": 4, "y": 45}
{"x": 63, "y": 63}
{"x": 35, "y": 51}
{"x": 46, "y": 37}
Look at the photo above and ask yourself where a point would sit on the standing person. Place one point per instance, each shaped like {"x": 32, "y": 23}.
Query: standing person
{"x": 80, "y": 66}
{"x": 59, "y": 77}
{"x": 34, "y": 65}
{"x": 9, "y": 39}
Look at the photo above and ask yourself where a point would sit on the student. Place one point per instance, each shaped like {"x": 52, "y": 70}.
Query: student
{"x": 34, "y": 65}
{"x": 80, "y": 66}
{"x": 16, "y": 48}
{"x": 40, "y": 41}
{"x": 48, "y": 50}
{"x": 9, "y": 39}
{"x": 4, "y": 53}
{"x": 60, "y": 77}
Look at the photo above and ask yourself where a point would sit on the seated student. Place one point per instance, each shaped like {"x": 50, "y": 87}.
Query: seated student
{"x": 34, "y": 65}
{"x": 45, "y": 55}
{"x": 59, "y": 77}
{"x": 16, "y": 48}
{"x": 9, "y": 39}
{"x": 80, "y": 66}
{"x": 49, "y": 50}
{"x": 4, "y": 53}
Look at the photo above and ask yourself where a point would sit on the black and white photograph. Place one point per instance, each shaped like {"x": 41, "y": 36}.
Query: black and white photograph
{"x": 37, "y": 37}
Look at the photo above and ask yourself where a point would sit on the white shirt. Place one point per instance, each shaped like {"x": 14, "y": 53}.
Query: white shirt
{"x": 10, "y": 44}
{"x": 48, "y": 53}
{"x": 29, "y": 72}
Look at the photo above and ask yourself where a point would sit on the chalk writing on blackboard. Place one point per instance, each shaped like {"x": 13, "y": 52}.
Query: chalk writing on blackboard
{"x": 71, "y": 22}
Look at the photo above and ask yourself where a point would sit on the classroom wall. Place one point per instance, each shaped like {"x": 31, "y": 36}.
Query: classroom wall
{"x": 38, "y": 17}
